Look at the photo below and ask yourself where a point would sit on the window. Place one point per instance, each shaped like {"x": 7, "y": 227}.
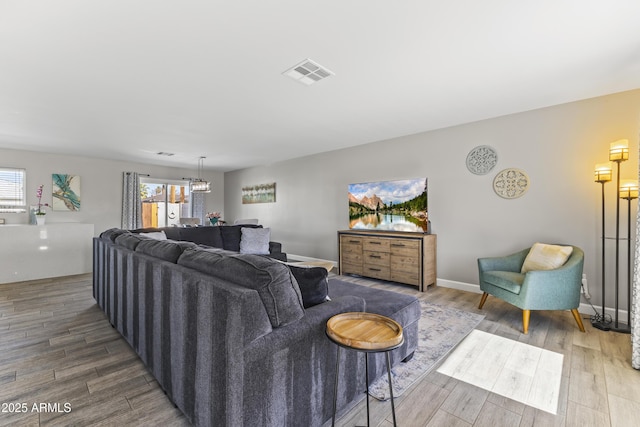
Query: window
{"x": 12, "y": 197}
{"x": 164, "y": 202}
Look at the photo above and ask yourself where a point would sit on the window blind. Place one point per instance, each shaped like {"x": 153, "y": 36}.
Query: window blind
{"x": 12, "y": 196}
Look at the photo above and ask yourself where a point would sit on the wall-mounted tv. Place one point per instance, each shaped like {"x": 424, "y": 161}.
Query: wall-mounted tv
{"x": 389, "y": 205}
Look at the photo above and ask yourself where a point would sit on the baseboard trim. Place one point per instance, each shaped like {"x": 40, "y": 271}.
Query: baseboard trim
{"x": 461, "y": 286}
{"x": 584, "y": 308}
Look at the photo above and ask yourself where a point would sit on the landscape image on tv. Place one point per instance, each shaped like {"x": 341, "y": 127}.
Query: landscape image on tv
{"x": 389, "y": 205}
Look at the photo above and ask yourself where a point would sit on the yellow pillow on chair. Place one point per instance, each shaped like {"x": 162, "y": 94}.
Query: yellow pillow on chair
{"x": 546, "y": 257}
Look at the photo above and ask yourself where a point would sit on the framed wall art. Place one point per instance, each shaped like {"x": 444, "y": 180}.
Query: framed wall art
{"x": 65, "y": 192}
{"x": 261, "y": 193}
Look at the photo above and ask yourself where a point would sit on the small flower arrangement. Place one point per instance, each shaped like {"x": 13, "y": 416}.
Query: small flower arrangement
{"x": 214, "y": 217}
{"x": 40, "y": 204}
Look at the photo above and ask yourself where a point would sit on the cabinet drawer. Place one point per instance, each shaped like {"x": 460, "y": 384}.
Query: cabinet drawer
{"x": 346, "y": 268}
{"x": 405, "y": 247}
{"x": 405, "y": 277}
{"x": 377, "y": 258}
{"x": 351, "y": 240}
{"x": 352, "y": 258}
{"x": 376, "y": 244}
{"x": 376, "y": 271}
{"x": 407, "y": 264}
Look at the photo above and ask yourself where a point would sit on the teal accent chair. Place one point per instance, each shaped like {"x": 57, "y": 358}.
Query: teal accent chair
{"x": 557, "y": 289}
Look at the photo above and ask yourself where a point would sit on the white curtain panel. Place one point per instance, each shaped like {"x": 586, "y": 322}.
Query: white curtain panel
{"x": 131, "y": 201}
{"x": 198, "y": 210}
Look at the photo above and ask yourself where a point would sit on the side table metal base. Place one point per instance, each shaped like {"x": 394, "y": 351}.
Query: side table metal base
{"x": 366, "y": 363}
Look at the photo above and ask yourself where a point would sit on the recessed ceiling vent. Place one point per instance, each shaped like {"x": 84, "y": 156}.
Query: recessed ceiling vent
{"x": 308, "y": 72}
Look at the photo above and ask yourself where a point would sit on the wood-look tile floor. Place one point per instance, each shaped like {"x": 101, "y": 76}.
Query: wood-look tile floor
{"x": 57, "y": 348}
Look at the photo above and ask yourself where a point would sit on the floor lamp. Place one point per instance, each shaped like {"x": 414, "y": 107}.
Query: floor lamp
{"x": 629, "y": 192}
{"x": 602, "y": 176}
{"x": 618, "y": 152}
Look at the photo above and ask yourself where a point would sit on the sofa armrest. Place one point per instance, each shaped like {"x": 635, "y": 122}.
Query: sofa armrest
{"x": 511, "y": 262}
{"x": 313, "y": 323}
{"x": 297, "y": 360}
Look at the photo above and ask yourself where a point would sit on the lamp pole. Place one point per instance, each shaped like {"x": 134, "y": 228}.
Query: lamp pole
{"x": 602, "y": 176}
{"x": 628, "y": 191}
{"x": 618, "y": 152}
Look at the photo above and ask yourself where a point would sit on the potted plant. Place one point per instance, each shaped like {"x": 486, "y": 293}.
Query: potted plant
{"x": 40, "y": 213}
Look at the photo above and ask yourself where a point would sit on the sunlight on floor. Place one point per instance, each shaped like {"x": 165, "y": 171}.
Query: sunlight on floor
{"x": 519, "y": 371}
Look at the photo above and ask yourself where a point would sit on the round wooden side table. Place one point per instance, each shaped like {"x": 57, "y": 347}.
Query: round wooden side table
{"x": 368, "y": 333}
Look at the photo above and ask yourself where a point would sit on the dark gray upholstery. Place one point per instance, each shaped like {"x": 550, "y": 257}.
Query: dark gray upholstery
{"x": 128, "y": 240}
{"x": 211, "y": 346}
{"x": 224, "y": 237}
{"x": 273, "y": 281}
{"x": 168, "y": 250}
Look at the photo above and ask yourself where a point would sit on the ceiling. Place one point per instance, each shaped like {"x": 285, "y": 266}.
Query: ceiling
{"x": 125, "y": 79}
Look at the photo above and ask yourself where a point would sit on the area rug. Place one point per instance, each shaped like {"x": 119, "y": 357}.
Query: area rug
{"x": 440, "y": 329}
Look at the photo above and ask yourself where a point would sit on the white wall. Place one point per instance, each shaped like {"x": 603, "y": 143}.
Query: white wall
{"x": 557, "y": 147}
{"x": 101, "y": 185}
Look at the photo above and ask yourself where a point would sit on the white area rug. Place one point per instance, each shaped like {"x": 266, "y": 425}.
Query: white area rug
{"x": 522, "y": 372}
{"x": 440, "y": 329}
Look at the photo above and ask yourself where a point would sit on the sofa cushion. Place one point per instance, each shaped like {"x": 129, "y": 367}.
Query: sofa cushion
{"x": 254, "y": 240}
{"x": 274, "y": 282}
{"x": 128, "y": 240}
{"x": 203, "y": 260}
{"x": 507, "y": 280}
{"x": 168, "y": 250}
{"x": 157, "y": 235}
{"x": 209, "y": 236}
{"x": 546, "y": 257}
{"x": 112, "y": 233}
{"x": 173, "y": 233}
{"x": 313, "y": 284}
{"x": 403, "y": 308}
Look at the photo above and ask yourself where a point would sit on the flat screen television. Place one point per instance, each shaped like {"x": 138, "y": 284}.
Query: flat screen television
{"x": 399, "y": 205}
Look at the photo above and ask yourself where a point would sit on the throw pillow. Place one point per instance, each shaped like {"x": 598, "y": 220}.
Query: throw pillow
{"x": 255, "y": 241}
{"x": 546, "y": 257}
{"x": 157, "y": 235}
{"x": 313, "y": 284}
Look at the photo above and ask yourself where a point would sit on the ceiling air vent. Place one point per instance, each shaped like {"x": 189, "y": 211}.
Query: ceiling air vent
{"x": 308, "y": 72}
{"x": 164, "y": 153}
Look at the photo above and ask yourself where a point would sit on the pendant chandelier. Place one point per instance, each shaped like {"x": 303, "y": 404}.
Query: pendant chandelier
{"x": 199, "y": 185}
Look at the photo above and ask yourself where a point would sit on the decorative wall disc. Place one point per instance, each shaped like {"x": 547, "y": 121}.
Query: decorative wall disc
{"x": 481, "y": 159}
{"x": 511, "y": 183}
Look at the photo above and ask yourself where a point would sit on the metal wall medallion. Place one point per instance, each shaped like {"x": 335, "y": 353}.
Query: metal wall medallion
{"x": 511, "y": 183}
{"x": 481, "y": 159}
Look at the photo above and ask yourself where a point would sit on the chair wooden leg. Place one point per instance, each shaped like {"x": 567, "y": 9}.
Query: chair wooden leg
{"x": 526, "y": 314}
{"x": 576, "y": 315}
{"x": 483, "y": 299}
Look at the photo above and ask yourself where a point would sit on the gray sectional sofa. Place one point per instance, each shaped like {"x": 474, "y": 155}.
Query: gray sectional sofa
{"x": 227, "y": 335}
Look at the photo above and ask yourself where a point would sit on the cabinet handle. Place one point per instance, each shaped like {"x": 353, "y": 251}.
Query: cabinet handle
{"x": 354, "y": 241}
{"x": 375, "y": 243}
{"x": 375, "y": 256}
{"x": 374, "y": 269}
{"x": 398, "y": 245}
